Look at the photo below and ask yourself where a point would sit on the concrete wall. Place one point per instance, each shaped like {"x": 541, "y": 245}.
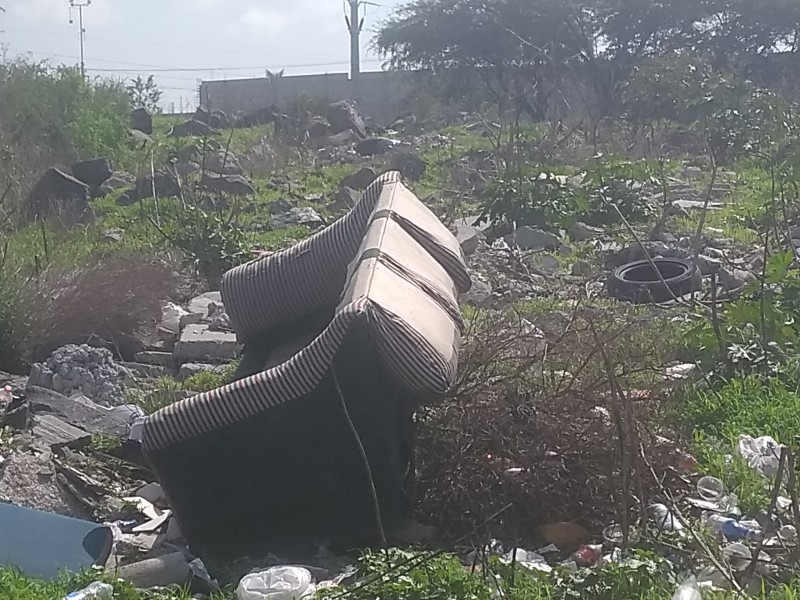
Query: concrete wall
{"x": 379, "y": 95}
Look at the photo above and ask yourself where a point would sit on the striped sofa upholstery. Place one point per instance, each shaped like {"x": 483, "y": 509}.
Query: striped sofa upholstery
{"x": 389, "y": 273}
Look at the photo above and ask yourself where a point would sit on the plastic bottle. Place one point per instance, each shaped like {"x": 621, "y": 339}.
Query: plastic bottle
{"x": 731, "y": 528}
{"x": 94, "y": 591}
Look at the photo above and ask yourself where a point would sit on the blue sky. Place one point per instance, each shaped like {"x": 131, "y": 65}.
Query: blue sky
{"x": 183, "y": 41}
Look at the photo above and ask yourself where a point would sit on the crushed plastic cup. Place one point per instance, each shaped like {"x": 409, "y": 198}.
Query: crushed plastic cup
{"x": 663, "y": 518}
{"x": 276, "y": 583}
{"x": 762, "y": 454}
{"x": 710, "y": 488}
{"x": 528, "y": 559}
{"x": 688, "y": 590}
{"x": 737, "y": 555}
{"x": 94, "y": 591}
{"x": 612, "y": 535}
{"x": 732, "y": 529}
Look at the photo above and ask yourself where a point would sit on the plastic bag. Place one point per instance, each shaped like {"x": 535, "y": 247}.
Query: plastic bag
{"x": 688, "y": 590}
{"x": 276, "y": 583}
{"x": 762, "y": 454}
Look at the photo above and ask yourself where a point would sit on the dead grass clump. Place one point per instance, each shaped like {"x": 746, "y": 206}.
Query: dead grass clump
{"x": 109, "y": 302}
{"x": 532, "y": 423}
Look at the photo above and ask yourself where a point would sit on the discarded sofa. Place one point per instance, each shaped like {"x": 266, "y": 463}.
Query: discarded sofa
{"x": 346, "y": 332}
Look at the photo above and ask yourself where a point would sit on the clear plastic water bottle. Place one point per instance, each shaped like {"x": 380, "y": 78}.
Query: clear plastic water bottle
{"x": 94, "y": 591}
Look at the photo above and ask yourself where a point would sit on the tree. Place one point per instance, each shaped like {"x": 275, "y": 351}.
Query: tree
{"x": 144, "y": 93}
{"x": 520, "y": 51}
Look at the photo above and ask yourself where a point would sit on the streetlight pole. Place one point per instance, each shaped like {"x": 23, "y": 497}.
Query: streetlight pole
{"x": 80, "y": 5}
{"x": 354, "y": 25}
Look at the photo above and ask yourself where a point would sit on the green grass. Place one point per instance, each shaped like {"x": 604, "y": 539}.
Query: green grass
{"x": 753, "y": 406}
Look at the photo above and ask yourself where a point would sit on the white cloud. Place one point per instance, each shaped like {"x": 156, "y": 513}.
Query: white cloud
{"x": 260, "y": 21}
{"x": 54, "y": 11}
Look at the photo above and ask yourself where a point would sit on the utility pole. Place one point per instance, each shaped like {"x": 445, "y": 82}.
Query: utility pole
{"x": 354, "y": 25}
{"x": 80, "y": 5}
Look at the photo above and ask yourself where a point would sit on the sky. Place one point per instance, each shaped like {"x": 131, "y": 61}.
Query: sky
{"x": 182, "y": 42}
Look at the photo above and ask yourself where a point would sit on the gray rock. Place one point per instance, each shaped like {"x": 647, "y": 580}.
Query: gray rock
{"x": 411, "y": 166}
{"x": 468, "y": 238}
{"x": 344, "y": 199}
{"x": 186, "y": 169}
{"x": 193, "y": 128}
{"x": 692, "y": 173}
{"x": 708, "y": 265}
{"x": 303, "y": 215}
{"x": 81, "y": 369}
{"x": 478, "y": 295}
{"x": 281, "y": 205}
{"x": 344, "y": 115}
{"x": 736, "y": 279}
{"x": 359, "y": 180}
{"x": 549, "y": 264}
{"x": 528, "y": 238}
{"x": 318, "y": 129}
{"x": 581, "y": 232}
{"x": 191, "y": 368}
{"x": 142, "y": 120}
{"x": 237, "y": 185}
{"x": 199, "y": 344}
{"x": 113, "y": 235}
{"x": 581, "y": 268}
{"x": 223, "y": 163}
{"x": 166, "y": 186}
{"x": 117, "y": 181}
{"x": 77, "y": 410}
{"x": 93, "y": 172}
{"x": 375, "y": 146}
{"x": 59, "y": 195}
{"x": 202, "y": 304}
{"x": 344, "y": 138}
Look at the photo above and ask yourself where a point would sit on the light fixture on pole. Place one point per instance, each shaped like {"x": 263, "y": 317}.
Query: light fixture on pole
{"x": 80, "y": 5}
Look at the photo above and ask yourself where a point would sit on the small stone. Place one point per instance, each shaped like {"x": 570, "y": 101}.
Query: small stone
{"x": 411, "y": 166}
{"x": 295, "y": 217}
{"x": 528, "y": 238}
{"x": 478, "y": 295}
{"x": 359, "y": 180}
{"x": 581, "y": 268}
{"x": 708, "y": 265}
{"x": 281, "y": 205}
{"x": 581, "y": 232}
{"x": 192, "y": 368}
{"x": 692, "y": 173}
{"x": 468, "y": 238}
{"x": 375, "y": 146}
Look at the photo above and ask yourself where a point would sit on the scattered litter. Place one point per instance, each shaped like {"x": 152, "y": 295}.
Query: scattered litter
{"x": 94, "y": 591}
{"x": 710, "y": 488}
{"x": 528, "y": 559}
{"x": 276, "y": 583}
{"x": 688, "y": 590}
{"x": 762, "y": 454}
{"x": 663, "y": 518}
{"x": 731, "y": 528}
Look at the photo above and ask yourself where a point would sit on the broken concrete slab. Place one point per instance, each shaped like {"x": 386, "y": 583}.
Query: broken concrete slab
{"x": 199, "y": 344}
{"x": 298, "y": 216}
{"x": 50, "y": 432}
{"x": 78, "y": 411}
{"x": 161, "y": 359}
{"x": 201, "y": 305}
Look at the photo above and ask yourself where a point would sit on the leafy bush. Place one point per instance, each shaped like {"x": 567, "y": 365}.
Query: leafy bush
{"x": 548, "y": 200}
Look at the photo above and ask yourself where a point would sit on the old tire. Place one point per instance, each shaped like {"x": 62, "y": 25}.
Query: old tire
{"x": 637, "y": 282}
